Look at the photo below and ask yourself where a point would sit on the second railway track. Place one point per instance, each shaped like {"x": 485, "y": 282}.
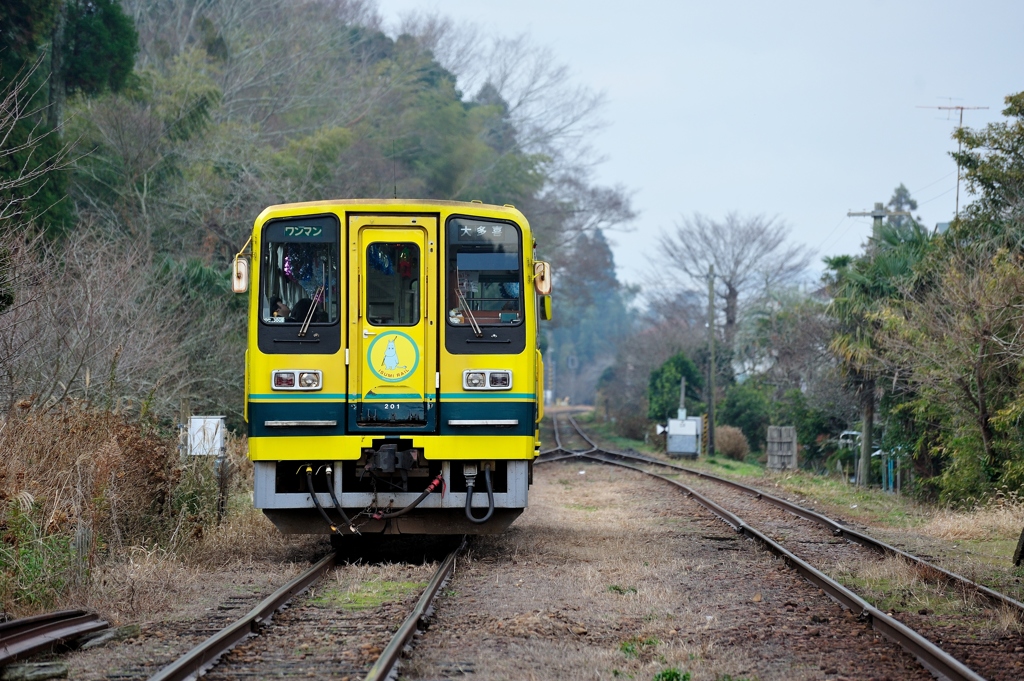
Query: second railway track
{"x": 314, "y": 637}
{"x": 972, "y": 636}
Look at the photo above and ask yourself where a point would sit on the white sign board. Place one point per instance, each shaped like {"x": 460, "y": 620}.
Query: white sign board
{"x": 205, "y": 435}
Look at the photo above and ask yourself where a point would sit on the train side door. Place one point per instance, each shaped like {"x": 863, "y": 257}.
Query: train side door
{"x": 392, "y": 329}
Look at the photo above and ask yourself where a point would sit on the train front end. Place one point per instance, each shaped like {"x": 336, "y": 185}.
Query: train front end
{"x": 393, "y": 382}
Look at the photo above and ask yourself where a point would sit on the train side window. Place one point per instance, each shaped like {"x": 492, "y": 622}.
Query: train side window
{"x": 393, "y": 284}
{"x": 484, "y": 273}
{"x": 300, "y": 272}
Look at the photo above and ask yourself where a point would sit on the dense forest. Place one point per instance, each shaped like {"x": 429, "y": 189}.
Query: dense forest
{"x": 143, "y": 138}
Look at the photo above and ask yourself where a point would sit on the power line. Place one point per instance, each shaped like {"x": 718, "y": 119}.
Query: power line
{"x": 930, "y": 184}
{"x": 839, "y": 237}
{"x": 936, "y": 196}
{"x": 830, "y": 234}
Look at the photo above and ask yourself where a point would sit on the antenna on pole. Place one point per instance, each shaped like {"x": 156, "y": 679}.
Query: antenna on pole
{"x": 394, "y": 167}
{"x": 950, "y": 108}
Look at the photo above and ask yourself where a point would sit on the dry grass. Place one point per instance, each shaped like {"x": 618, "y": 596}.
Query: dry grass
{"x": 99, "y": 511}
{"x": 731, "y": 443}
{"x": 1001, "y": 518}
{"x": 892, "y": 583}
{"x": 141, "y": 585}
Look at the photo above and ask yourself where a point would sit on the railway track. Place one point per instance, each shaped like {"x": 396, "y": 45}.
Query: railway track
{"x": 23, "y": 637}
{"x": 1000, "y": 658}
{"x": 211, "y": 657}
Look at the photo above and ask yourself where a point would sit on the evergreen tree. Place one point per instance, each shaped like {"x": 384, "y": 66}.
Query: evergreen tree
{"x": 665, "y": 382}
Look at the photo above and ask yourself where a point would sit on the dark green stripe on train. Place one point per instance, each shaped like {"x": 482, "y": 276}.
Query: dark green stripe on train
{"x": 275, "y": 419}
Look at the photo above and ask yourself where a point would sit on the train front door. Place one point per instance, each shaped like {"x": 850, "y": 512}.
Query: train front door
{"x": 392, "y": 328}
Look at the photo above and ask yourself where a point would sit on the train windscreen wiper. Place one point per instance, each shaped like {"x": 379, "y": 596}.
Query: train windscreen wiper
{"x": 464, "y": 304}
{"x": 312, "y": 311}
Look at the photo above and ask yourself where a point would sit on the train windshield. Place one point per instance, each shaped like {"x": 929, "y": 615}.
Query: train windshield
{"x": 300, "y": 272}
{"x": 484, "y": 273}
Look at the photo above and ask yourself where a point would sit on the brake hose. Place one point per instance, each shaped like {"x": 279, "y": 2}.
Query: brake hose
{"x": 334, "y": 497}
{"x": 430, "y": 488}
{"x": 490, "y": 498}
{"x": 316, "y": 502}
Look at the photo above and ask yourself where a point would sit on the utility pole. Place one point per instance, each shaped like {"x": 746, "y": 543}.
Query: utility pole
{"x": 959, "y": 144}
{"x": 681, "y": 414}
{"x": 879, "y": 212}
{"x": 711, "y": 360}
{"x": 868, "y": 389}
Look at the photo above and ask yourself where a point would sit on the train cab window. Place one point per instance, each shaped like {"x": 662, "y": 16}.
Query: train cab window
{"x": 300, "y": 272}
{"x": 484, "y": 273}
{"x": 393, "y": 284}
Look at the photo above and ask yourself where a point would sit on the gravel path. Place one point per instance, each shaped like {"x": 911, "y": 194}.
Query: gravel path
{"x": 613, "y": 575}
{"x": 967, "y": 627}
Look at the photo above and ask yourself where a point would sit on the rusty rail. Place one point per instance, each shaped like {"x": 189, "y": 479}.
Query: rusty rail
{"x": 837, "y": 528}
{"x": 22, "y": 637}
{"x": 384, "y": 665}
{"x": 937, "y": 661}
{"x": 193, "y": 663}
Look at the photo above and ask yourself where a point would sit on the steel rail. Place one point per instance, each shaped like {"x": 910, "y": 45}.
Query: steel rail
{"x": 837, "y": 528}
{"x": 558, "y": 437}
{"x": 193, "y": 663}
{"x": 28, "y": 635}
{"x": 934, "y": 659}
{"x": 560, "y": 457}
{"x": 385, "y": 664}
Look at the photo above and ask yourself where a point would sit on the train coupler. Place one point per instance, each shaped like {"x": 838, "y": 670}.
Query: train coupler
{"x": 388, "y": 459}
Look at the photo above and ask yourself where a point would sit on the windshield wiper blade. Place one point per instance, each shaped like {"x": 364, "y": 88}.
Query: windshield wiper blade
{"x": 312, "y": 310}
{"x": 464, "y": 304}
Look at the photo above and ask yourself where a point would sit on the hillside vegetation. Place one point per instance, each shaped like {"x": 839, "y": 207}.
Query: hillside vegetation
{"x": 138, "y": 142}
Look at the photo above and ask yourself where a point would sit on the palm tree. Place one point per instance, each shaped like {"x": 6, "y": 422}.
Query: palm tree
{"x": 861, "y": 287}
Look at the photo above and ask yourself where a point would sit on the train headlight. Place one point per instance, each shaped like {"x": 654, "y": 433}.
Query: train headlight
{"x": 296, "y": 379}
{"x": 487, "y": 379}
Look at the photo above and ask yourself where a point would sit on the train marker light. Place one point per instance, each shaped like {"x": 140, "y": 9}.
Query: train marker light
{"x": 296, "y": 379}
{"x": 487, "y": 379}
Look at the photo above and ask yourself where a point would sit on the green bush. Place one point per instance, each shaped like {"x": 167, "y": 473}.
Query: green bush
{"x": 36, "y": 568}
{"x": 746, "y": 406}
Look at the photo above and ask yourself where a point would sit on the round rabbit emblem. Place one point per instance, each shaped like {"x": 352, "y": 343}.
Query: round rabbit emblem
{"x": 392, "y": 356}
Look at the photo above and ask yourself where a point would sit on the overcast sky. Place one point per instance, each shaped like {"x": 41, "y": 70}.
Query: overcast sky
{"x": 802, "y": 110}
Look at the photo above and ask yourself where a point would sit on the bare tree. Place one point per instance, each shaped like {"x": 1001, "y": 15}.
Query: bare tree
{"x": 455, "y": 46}
{"x": 750, "y": 256}
{"x": 85, "y": 323}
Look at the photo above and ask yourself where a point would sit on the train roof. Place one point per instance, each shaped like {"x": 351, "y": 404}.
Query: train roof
{"x": 411, "y": 205}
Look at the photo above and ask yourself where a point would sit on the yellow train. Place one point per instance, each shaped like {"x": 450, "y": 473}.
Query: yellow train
{"x": 392, "y": 379}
